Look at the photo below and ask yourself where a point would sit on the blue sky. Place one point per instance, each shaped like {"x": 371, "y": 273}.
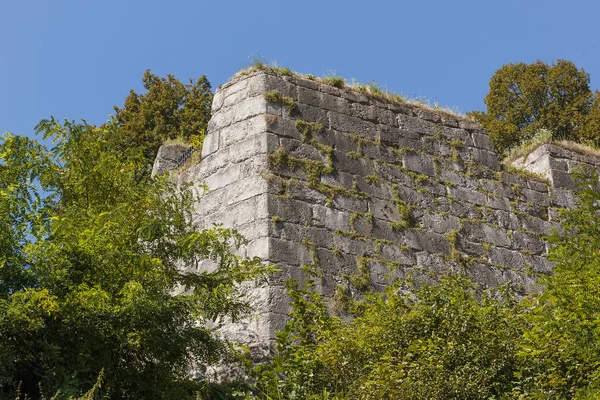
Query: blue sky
{"x": 76, "y": 59}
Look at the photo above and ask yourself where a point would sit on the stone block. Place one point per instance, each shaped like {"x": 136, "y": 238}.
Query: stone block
{"x": 486, "y": 275}
{"x": 346, "y": 123}
{"x": 337, "y": 140}
{"x": 356, "y": 247}
{"x": 470, "y": 196}
{"x": 452, "y": 177}
{"x": 290, "y": 210}
{"x": 470, "y": 248}
{"x": 210, "y": 144}
{"x": 392, "y": 173}
{"x": 486, "y": 158}
{"x": 351, "y": 204}
{"x": 291, "y": 253}
{"x": 167, "y": 158}
{"x": 562, "y": 197}
{"x": 457, "y": 134}
{"x": 536, "y": 225}
{"x": 239, "y": 131}
{"x": 383, "y": 209}
{"x": 396, "y": 253}
{"x": 562, "y": 180}
{"x": 419, "y": 163}
{"x": 223, "y": 177}
{"x": 310, "y": 113}
{"x": 510, "y": 259}
{"x": 449, "y": 120}
{"x": 485, "y": 233}
{"x": 320, "y": 237}
{"x": 495, "y": 187}
{"x": 528, "y": 242}
{"x": 428, "y": 241}
{"x": 303, "y": 151}
{"x": 416, "y": 125}
{"x": 287, "y": 231}
{"x": 398, "y": 138}
{"x": 360, "y": 166}
{"x": 505, "y": 219}
{"x": 305, "y": 193}
{"x": 482, "y": 141}
{"x": 282, "y": 127}
{"x": 341, "y": 179}
{"x": 335, "y": 219}
{"x": 334, "y": 103}
{"x": 309, "y": 96}
{"x": 540, "y": 186}
{"x": 440, "y": 223}
{"x": 470, "y": 125}
{"x": 245, "y": 189}
{"x": 248, "y": 108}
{"x": 377, "y": 189}
{"x": 436, "y": 147}
{"x": 428, "y": 115}
{"x": 533, "y": 196}
{"x": 414, "y": 197}
{"x": 542, "y": 265}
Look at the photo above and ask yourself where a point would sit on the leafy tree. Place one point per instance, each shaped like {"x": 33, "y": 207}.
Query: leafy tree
{"x": 169, "y": 109}
{"x": 560, "y": 356}
{"x": 450, "y": 341}
{"x": 89, "y": 277}
{"x": 525, "y": 98}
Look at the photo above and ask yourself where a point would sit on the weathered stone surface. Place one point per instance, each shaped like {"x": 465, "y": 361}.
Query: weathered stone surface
{"x": 418, "y": 163}
{"x": 166, "y": 159}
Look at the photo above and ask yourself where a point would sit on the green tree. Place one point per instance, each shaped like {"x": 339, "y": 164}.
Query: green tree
{"x": 525, "y": 98}
{"x": 169, "y": 109}
{"x": 451, "y": 341}
{"x": 89, "y": 275}
{"x": 560, "y": 356}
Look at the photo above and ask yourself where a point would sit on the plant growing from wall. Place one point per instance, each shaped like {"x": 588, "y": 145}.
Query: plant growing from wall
{"x": 274, "y": 96}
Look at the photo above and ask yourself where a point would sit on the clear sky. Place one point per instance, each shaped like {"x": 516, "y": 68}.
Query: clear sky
{"x": 76, "y": 59}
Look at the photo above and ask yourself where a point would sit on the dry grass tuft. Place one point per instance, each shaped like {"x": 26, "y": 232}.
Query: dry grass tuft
{"x": 373, "y": 89}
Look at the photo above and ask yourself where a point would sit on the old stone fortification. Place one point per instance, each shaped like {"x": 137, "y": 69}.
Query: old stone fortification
{"x": 355, "y": 191}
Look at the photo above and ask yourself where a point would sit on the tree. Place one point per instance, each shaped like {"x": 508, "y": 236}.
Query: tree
{"x": 169, "y": 109}
{"x": 450, "y": 341}
{"x": 89, "y": 276}
{"x": 560, "y": 353}
{"x": 525, "y": 98}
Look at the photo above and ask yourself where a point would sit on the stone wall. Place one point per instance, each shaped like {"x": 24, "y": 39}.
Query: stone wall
{"x": 558, "y": 163}
{"x": 355, "y": 190}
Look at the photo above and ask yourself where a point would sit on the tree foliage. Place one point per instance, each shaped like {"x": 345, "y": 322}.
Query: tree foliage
{"x": 560, "y": 353}
{"x": 89, "y": 277}
{"x": 525, "y": 98}
{"x": 434, "y": 342}
{"x": 169, "y": 109}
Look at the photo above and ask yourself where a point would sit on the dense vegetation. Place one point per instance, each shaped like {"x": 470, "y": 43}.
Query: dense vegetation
{"x": 525, "y": 98}
{"x": 92, "y": 303}
{"x": 90, "y": 292}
